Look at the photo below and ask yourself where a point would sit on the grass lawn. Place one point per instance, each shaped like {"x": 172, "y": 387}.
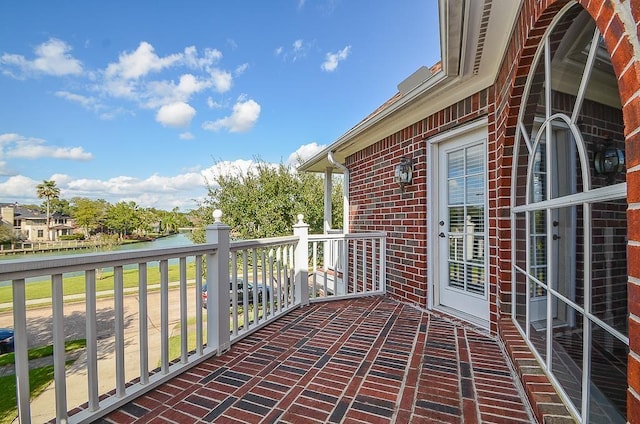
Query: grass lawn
{"x": 39, "y": 378}
{"x": 76, "y": 284}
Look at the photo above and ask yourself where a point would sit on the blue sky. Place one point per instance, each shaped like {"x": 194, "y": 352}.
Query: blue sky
{"x": 146, "y": 100}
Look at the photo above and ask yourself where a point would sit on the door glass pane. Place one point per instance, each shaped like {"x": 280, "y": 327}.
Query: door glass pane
{"x": 456, "y": 219}
{"x": 475, "y": 159}
{"x": 567, "y": 243}
{"x": 475, "y": 189}
{"x": 539, "y": 176}
{"x": 475, "y": 279}
{"x": 455, "y": 163}
{"x": 538, "y": 246}
{"x": 456, "y": 191}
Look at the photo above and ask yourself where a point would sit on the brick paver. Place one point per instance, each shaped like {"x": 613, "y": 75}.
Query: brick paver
{"x": 367, "y": 360}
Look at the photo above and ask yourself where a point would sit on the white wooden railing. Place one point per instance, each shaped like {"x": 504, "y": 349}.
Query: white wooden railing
{"x": 269, "y": 277}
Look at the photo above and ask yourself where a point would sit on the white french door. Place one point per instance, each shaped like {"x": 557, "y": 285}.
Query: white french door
{"x": 461, "y": 230}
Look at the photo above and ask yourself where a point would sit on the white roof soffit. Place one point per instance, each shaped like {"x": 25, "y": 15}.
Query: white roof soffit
{"x": 473, "y": 39}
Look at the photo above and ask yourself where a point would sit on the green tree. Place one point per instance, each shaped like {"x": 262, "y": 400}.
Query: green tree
{"x": 48, "y": 190}
{"x": 6, "y": 233}
{"x": 61, "y": 206}
{"x": 122, "y": 218}
{"x": 88, "y": 214}
{"x": 263, "y": 202}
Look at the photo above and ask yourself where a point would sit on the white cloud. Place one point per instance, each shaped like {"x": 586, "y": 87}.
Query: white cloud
{"x": 299, "y": 49}
{"x": 278, "y": 51}
{"x": 177, "y": 114}
{"x": 187, "y": 136}
{"x": 51, "y": 58}
{"x": 142, "y": 61}
{"x": 244, "y": 116}
{"x": 192, "y": 60}
{"x": 242, "y": 69}
{"x": 333, "y": 59}
{"x": 160, "y": 93}
{"x": 212, "y": 103}
{"x": 221, "y": 80}
{"x": 304, "y": 152}
{"x": 19, "y": 188}
{"x": 17, "y": 146}
{"x": 90, "y": 103}
{"x": 236, "y": 168}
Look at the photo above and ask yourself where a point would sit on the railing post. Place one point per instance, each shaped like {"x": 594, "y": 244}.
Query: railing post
{"x": 218, "y": 336}
{"x": 301, "y": 259}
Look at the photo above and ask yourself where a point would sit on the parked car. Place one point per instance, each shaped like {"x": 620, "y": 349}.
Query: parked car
{"x": 239, "y": 288}
{"x": 6, "y": 340}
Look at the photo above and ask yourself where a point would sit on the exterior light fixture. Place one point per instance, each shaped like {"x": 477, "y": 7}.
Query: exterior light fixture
{"x": 404, "y": 172}
{"x": 609, "y": 161}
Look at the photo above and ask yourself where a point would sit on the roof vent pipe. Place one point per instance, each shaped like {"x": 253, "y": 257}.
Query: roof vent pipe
{"x": 345, "y": 191}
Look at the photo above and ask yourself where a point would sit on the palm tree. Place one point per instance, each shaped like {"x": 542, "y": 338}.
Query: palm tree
{"x": 48, "y": 190}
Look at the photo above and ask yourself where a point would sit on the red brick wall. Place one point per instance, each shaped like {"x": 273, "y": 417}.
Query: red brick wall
{"x": 377, "y": 203}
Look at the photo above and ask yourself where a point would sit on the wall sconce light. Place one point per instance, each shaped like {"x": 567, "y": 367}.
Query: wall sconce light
{"x": 609, "y": 161}
{"x": 404, "y": 172}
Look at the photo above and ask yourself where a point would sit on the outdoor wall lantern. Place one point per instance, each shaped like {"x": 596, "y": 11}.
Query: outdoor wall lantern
{"x": 609, "y": 161}
{"x": 404, "y": 172}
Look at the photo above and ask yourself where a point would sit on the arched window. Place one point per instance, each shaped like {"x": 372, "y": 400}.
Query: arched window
{"x": 569, "y": 222}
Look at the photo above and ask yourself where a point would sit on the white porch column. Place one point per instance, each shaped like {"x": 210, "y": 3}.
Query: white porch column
{"x": 301, "y": 291}
{"x": 328, "y": 189}
{"x": 218, "y": 336}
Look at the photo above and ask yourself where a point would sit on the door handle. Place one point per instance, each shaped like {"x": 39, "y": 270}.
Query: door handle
{"x": 441, "y": 235}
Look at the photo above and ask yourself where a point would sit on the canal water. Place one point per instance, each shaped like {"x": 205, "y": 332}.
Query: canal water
{"x": 177, "y": 240}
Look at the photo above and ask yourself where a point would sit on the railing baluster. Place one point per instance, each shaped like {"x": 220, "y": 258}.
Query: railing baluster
{"x": 254, "y": 296}
{"x": 184, "y": 319}
{"x": 314, "y": 267}
{"x": 281, "y": 284}
{"x": 164, "y": 316}
{"x": 364, "y": 266}
{"x": 274, "y": 282}
{"x": 265, "y": 296}
{"x": 20, "y": 350}
{"x": 59, "y": 372}
{"x": 143, "y": 328}
{"x": 383, "y": 265}
{"x": 233, "y": 285}
{"x": 92, "y": 339}
{"x": 199, "y": 330}
{"x": 118, "y": 293}
{"x": 374, "y": 257}
{"x": 245, "y": 292}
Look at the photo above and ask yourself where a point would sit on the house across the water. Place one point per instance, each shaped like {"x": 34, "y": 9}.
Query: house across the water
{"x": 30, "y": 224}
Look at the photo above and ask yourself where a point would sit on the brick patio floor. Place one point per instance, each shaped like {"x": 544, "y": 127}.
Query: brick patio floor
{"x": 367, "y": 360}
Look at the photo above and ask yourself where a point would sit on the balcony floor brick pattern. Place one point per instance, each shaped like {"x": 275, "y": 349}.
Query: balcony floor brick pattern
{"x": 368, "y": 360}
